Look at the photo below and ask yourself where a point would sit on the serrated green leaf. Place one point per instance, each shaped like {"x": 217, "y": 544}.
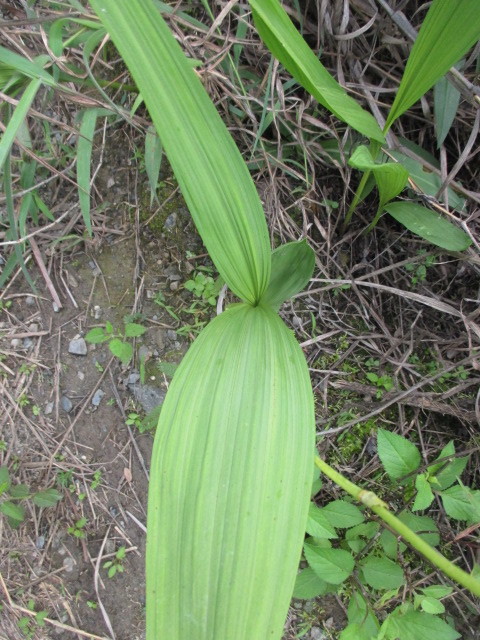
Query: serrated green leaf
{"x": 423, "y": 525}
{"x": 96, "y": 336}
{"x": 13, "y": 511}
{"x": 382, "y": 573}
{"x": 230, "y": 482}
{"x": 364, "y": 530}
{"x": 292, "y": 268}
{"x": 417, "y": 625}
{"x": 122, "y": 350}
{"x": 134, "y": 330}
{"x": 19, "y": 491}
{"x": 447, "y": 33}
{"x": 429, "y": 225}
{"x": 450, "y": 474}
{"x": 308, "y": 585}
{"x": 359, "y": 612}
{"x": 342, "y": 514}
{"x": 432, "y": 605}
{"x": 437, "y": 591}
{"x": 446, "y": 99}
{"x": 331, "y": 565}
{"x": 210, "y": 170}
{"x": 398, "y": 455}
{"x": 287, "y": 45}
{"x": 448, "y": 450}
{"x": 318, "y": 524}
{"x": 462, "y": 503}
{"x": 355, "y": 631}
{"x": 424, "y": 497}
{"x": 47, "y": 498}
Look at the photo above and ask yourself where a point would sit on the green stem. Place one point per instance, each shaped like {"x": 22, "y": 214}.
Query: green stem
{"x": 357, "y": 198}
{"x": 379, "y": 507}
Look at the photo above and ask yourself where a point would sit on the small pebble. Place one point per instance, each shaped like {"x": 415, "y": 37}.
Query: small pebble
{"x": 33, "y": 327}
{"x": 81, "y": 375}
{"x": 15, "y": 343}
{"x": 133, "y": 378}
{"x": 316, "y": 633}
{"x": 174, "y": 285}
{"x": 30, "y": 300}
{"x": 27, "y": 343}
{"x": 55, "y": 307}
{"x": 155, "y": 317}
{"x": 110, "y": 182}
{"x": 40, "y": 542}
{"x": 150, "y": 294}
{"x": 171, "y": 221}
{"x": 296, "y": 321}
{"x": 48, "y": 408}
{"x": 66, "y": 404}
{"x": 77, "y": 347}
{"x": 97, "y": 397}
{"x": 171, "y": 334}
{"x": 68, "y": 564}
{"x": 97, "y": 312}
{"x": 109, "y": 546}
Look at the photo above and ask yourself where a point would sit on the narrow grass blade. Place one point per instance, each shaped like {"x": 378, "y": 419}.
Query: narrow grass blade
{"x": 429, "y": 225}
{"x": 153, "y": 160}
{"x": 84, "y": 157}
{"x": 17, "y": 119}
{"x": 292, "y": 268}
{"x": 231, "y": 475}
{"x": 287, "y": 45}
{"x": 211, "y": 172}
{"x": 446, "y": 99}
{"x": 26, "y": 67}
{"x": 447, "y": 33}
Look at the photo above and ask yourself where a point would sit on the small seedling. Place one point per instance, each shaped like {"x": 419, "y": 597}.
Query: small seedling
{"x": 419, "y": 271}
{"x": 204, "y": 287}
{"x": 78, "y": 529}
{"x": 116, "y": 565}
{"x": 97, "y": 478}
{"x": 384, "y": 383}
{"x": 91, "y": 604}
{"x": 118, "y": 341}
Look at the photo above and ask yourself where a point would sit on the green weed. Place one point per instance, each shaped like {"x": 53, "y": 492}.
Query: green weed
{"x": 118, "y": 341}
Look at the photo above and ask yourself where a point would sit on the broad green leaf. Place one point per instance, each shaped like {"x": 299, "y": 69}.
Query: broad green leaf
{"x": 287, "y": 45}
{"x": 437, "y": 591}
{"x": 462, "y": 503}
{"x": 448, "y": 450}
{"x": 398, "y": 455}
{"x": 19, "y": 491}
{"x": 364, "y": 530}
{"x": 342, "y": 514}
{"x": 13, "y": 511}
{"x": 210, "y": 170}
{"x": 47, "y": 498}
{"x": 153, "y": 160}
{"x": 134, "y": 330}
{"x": 318, "y": 524}
{"x": 359, "y": 612}
{"x": 391, "y": 177}
{"x": 292, "y": 268}
{"x": 84, "y": 156}
{"x": 447, "y": 33}
{"x": 96, "y": 336}
{"x": 432, "y": 605}
{"x": 331, "y": 565}
{"x": 424, "y": 497}
{"x": 429, "y": 225}
{"x": 308, "y": 585}
{"x": 426, "y": 181}
{"x": 382, "y": 573}
{"x": 446, "y": 99}
{"x": 17, "y": 119}
{"x": 355, "y": 631}
{"x": 5, "y": 481}
{"x": 449, "y": 473}
{"x": 230, "y": 482}
{"x": 423, "y": 525}
{"x": 122, "y": 350}
{"x": 418, "y": 625}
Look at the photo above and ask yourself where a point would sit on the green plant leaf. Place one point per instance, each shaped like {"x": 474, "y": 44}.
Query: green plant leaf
{"x": 212, "y": 174}
{"x": 462, "y": 503}
{"x": 447, "y": 33}
{"x": 398, "y": 455}
{"x": 331, "y": 565}
{"x": 446, "y": 99}
{"x": 134, "y": 330}
{"x": 429, "y": 225}
{"x": 437, "y": 591}
{"x": 382, "y": 573}
{"x": 5, "y": 481}
{"x": 19, "y": 491}
{"x": 318, "y": 524}
{"x": 423, "y": 525}
{"x": 424, "y": 497}
{"x": 359, "y": 612}
{"x": 432, "y": 605}
{"x": 287, "y": 45}
{"x": 342, "y": 514}
{"x": 153, "y": 160}
{"x": 308, "y": 585}
{"x": 47, "y": 498}
{"x": 122, "y": 350}
{"x": 449, "y": 473}
{"x": 417, "y": 625}
{"x": 230, "y": 482}
{"x": 13, "y": 511}
{"x": 292, "y": 268}
{"x": 84, "y": 156}
{"x": 96, "y": 335}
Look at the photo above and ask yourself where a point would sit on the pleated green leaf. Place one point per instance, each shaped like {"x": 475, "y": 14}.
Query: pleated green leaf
{"x": 231, "y": 475}
{"x": 292, "y": 268}
{"x": 287, "y": 45}
{"x": 446, "y": 99}
{"x": 213, "y": 177}
{"x": 447, "y": 33}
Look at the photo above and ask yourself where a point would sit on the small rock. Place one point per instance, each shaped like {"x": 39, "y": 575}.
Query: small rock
{"x": 15, "y": 343}
{"x": 174, "y": 285}
{"x": 109, "y": 546}
{"x": 68, "y": 564}
{"x": 316, "y": 633}
{"x": 48, "y": 408}
{"x": 40, "y": 542}
{"x": 33, "y": 327}
{"x": 114, "y": 511}
{"x": 149, "y": 397}
{"x": 55, "y": 307}
{"x": 66, "y": 404}
{"x": 97, "y": 312}
{"x": 150, "y": 294}
{"x": 77, "y": 347}
{"x": 30, "y": 300}
{"x": 110, "y": 182}
{"x": 144, "y": 353}
{"x": 155, "y": 317}
{"x": 97, "y": 397}
{"x": 296, "y": 321}
{"x": 133, "y": 378}
{"x": 171, "y": 334}
{"x": 27, "y": 343}
{"x": 81, "y": 375}
{"x": 171, "y": 221}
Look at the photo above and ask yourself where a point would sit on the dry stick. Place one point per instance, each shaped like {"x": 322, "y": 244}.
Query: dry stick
{"x": 379, "y": 507}
{"x": 41, "y": 265}
{"x": 95, "y": 581}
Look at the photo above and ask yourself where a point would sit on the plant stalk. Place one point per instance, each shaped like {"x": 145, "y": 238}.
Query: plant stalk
{"x": 379, "y": 507}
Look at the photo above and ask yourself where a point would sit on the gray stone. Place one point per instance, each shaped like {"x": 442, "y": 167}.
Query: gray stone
{"x": 133, "y": 378}
{"x": 148, "y": 396}
{"x": 33, "y": 327}
{"x": 144, "y": 353}
{"x": 171, "y": 334}
{"x": 316, "y": 633}
{"x": 171, "y": 221}
{"x": 97, "y": 312}
{"x": 78, "y": 347}
{"x": 48, "y": 408}
{"x": 66, "y": 404}
{"x": 40, "y": 542}
{"x": 97, "y": 397}
{"x": 68, "y": 564}
{"x": 55, "y": 307}
{"x": 174, "y": 285}
{"x": 27, "y": 343}
{"x": 30, "y": 300}
{"x": 15, "y": 343}
{"x": 81, "y": 375}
